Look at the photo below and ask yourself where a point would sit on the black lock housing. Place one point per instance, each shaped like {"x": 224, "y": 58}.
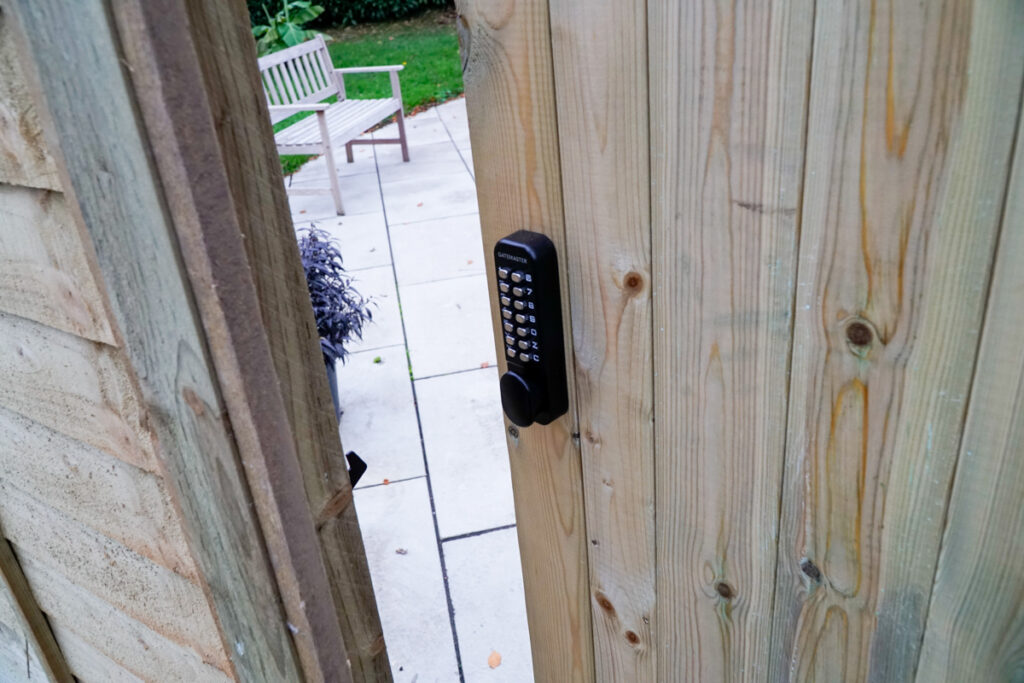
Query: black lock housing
{"x": 530, "y": 313}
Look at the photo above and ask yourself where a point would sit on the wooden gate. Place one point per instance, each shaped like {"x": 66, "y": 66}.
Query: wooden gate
{"x": 791, "y": 236}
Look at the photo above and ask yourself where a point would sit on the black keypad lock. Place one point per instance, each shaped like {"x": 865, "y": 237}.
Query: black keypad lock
{"x": 534, "y": 388}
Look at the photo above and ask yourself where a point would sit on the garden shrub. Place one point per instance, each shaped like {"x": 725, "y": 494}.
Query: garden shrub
{"x": 348, "y": 12}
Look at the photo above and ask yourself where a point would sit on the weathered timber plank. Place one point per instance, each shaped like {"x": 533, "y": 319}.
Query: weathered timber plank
{"x": 166, "y": 602}
{"x": 254, "y": 175}
{"x": 113, "y": 189}
{"x": 510, "y": 98}
{"x": 600, "y": 64}
{"x": 907, "y": 160}
{"x": 728, "y": 93}
{"x": 21, "y": 620}
{"x": 45, "y": 273}
{"x": 125, "y": 641}
{"x": 75, "y": 387}
{"x": 127, "y": 504}
{"x": 975, "y": 628}
{"x": 88, "y": 664}
{"x": 165, "y": 70}
{"x": 24, "y": 157}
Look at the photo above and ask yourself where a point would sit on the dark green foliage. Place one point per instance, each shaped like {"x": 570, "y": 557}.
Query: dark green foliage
{"x": 286, "y": 28}
{"x": 350, "y": 12}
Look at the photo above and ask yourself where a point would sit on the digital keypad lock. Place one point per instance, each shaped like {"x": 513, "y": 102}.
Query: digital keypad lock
{"x": 534, "y": 388}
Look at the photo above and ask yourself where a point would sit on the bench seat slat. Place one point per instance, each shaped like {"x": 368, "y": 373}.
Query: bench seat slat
{"x": 345, "y": 120}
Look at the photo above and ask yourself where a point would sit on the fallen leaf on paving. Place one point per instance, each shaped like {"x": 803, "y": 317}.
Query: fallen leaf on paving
{"x": 387, "y": 481}
{"x": 485, "y": 364}
{"x": 494, "y": 660}
{"x": 420, "y": 204}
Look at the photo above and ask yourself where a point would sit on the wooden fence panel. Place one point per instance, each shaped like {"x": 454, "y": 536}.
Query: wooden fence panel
{"x": 116, "y": 194}
{"x": 728, "y": 107}
{"x": 509, "y": 78}
{"x": 911, "y": 108}
{"x": 975, "y": 626}
{"x": 600, "y": 64}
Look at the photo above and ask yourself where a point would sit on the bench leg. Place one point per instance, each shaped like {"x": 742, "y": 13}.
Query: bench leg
{"x": 331, "y": 168}
{"x": 348, "y": 152}
{"x": 401, "y": 135}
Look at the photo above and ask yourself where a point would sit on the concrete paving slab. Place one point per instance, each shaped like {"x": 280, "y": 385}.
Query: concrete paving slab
{"x": 448, "y": 325}
{"x": 424, "y": 198}
{"x": 386, "y": 327}
{"x": 379, "y": 416}
{"x": 433, "y": 159}
{"x": 363, "y": 239}
{"x": 464, "y": 437}
{"x": 401, "y": 548}
{"x": 359, "y": 193}
{"x": 486, "y": 586}
{"x": 437, "y": 249}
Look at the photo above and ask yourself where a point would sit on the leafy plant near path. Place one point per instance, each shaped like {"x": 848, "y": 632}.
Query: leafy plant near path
{"x": 285, "y": 29}
{"x": 339, "y": 309}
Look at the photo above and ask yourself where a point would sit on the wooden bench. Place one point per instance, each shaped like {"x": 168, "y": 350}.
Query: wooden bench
{"x": 299, "y": 79}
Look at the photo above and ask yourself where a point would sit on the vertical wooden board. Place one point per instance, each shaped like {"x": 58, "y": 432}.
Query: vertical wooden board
{"x": 912, "y": 106}
{"x": 728, "y": 92}
{"x": 975, "y": 628}
{"x": 45, "y": 273}
{"x": 600, "y": 63}
{"x": 113, "y": 188}
{"x": 507, "y": 69}
{"x": 254, "y": 174}
{"x": 24, "y": 158}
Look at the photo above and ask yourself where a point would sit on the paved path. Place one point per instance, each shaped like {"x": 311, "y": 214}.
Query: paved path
{"x": 421, "y": 406}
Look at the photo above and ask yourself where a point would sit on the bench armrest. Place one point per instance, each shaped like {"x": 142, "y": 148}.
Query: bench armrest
{"x": 296, "y": 108}
{"x": 369, "y": 69}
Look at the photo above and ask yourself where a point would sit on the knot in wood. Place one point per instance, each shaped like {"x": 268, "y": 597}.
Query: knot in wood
{"x": 725, "y": 590}
{"x": 859, "y": 334}
{"x": 604, "y": 602}
{"x": 633, "y": 638}
{"x": 633, "y": 283}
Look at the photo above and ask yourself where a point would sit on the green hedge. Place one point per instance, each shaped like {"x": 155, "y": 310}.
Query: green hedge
{"x": 338, "y": 12}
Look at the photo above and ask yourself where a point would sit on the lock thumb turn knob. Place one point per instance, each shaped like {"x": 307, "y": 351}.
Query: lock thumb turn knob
{"x": 519, "y": 399}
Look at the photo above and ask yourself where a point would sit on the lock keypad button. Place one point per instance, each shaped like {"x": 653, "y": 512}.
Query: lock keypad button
{"x": 517, "y": 276}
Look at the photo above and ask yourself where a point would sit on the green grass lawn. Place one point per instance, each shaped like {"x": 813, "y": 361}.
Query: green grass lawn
{"x": 426, "y": 44}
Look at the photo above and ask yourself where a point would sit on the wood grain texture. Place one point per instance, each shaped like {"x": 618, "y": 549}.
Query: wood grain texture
{"x": 912, "y": 106}
{"x": 509, "y": 79}
{"x": 22, "y": 620}
{"x": 975, "y": 628}
{"x": 45, "y": 272}
{"x": 254, "y": 175}
{"x": 129, "y": 505}
{"x": 164, "y": 69}
{"x": 113, "y": 190}
{"x": 75, "y": 387}
{"x": 728, "y": 93}
{"x": 89, "y": 664}
{"x": 132, "y": 645}
{"x": 600, "y": 63}
{"x": 24, "y": 159}
{"x": 166, "y": 602}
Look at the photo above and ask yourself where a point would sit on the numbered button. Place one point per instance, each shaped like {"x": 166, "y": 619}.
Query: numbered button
{"x": 503, "y": 273}
{"x": 523, "y": 344}
{"x": 511, "y": 353}
{"x": 510, "y": 340}
{"x": 517, "y": 276}
{"x": 503, "y": 286}
{"x": 517, "y": 291}
{"x": 507, "y": 314}
{"x": 518, "y": 305}
{"x": 524, "y": 357}
{"x": 505, "y": 301}
{"x": 520, "y": 318}
{"x": 521, "y": 331}
{"x": 508, "y": 326}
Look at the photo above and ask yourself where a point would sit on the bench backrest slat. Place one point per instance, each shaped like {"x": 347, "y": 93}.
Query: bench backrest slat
{"x": 299, "y": 75}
